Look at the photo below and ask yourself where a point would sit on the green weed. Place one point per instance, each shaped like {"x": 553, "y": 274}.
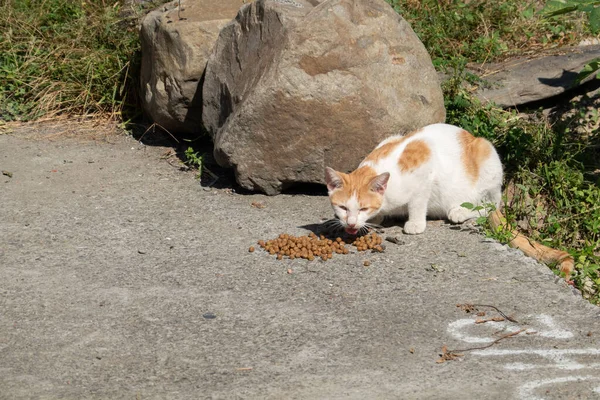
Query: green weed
{"x": 193, "y": 159}
{"x": 480, "y": 30}
{"x": 65, "y": 57}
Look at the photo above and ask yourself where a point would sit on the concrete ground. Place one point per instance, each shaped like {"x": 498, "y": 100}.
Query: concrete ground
{"x": 122, "y": 278}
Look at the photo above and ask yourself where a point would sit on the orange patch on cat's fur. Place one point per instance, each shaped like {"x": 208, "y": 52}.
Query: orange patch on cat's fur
{"x": 357, "y": 182}
{"x": 415, "y": 154}
{"x": 386, "y": 149}
{"x": 475, "y": 152}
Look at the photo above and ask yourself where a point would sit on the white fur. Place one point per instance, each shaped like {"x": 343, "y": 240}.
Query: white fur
{"x": 436, "y": 188}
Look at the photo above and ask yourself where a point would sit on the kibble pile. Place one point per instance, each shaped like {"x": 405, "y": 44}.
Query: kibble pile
{"x": 312, "y": 246}
{"x": 372, "y": 241}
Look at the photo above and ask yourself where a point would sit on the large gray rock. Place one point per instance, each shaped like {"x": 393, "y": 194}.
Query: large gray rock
{"x": 175, "y": 47}
{"x": 293, "y": 86}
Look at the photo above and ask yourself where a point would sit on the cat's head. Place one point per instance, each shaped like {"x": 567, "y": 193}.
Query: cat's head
{"x": 356, "y": 197}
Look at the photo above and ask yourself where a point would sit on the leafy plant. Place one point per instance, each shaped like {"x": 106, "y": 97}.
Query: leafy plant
{"x": 591, "y": 8}
{"x": 194, "y": 159}
{"x": 482, "y": 210}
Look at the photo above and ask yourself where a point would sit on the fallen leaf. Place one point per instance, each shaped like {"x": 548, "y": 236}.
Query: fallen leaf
{"x": 493, "y": 319}
{"x": 447, "y": 355}
{"x": 466, "y": 307}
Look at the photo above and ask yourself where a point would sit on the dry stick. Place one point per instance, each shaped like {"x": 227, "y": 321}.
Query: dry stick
{"x": 153, "y": 126}
{"x": 489, "y": 345}
{"x": 499, "y": 312}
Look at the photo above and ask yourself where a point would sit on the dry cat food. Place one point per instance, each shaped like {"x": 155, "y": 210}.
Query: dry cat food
{"x": 312, "y": 246}
{"x": 372, "y": 241}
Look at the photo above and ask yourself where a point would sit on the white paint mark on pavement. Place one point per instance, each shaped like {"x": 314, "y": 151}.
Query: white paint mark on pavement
{"x": 542, "y": 325}
{"x": 561, "y": 358}
{"x": 552, "y": 330}
{"x": 457, "y": 328}
{"x": 527, "y": 391}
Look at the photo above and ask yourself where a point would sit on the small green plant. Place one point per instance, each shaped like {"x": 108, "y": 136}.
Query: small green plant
{"x": 193, "y": 159}
{"x": 502, "y": 233}
{"x": 483, "y": 211}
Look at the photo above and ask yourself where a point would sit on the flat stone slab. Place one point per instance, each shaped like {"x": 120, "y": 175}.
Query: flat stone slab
{"x": 121, "y": 277}
{"x": 524, "y": 80}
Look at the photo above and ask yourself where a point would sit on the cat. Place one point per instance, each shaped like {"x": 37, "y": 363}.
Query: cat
{"x": 427, "y": 173}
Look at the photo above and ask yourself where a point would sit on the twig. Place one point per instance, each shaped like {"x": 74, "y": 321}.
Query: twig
{"x": 493, "y": 319}
{"x": 489, "y": 345}
{"x": 161, "y": 127}
{"x": 214, "y": 176}
{"x": 499, "y": 312}
{"x": 471, "y": 307}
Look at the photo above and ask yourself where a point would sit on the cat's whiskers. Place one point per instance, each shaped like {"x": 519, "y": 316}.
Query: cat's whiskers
{"x": 363, "y": 230}
{"x": 373, "y": 226}
{"x": 333, "y": 224}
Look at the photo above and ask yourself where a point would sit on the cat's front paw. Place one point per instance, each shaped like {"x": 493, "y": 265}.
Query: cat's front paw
{"x": 459, "y": 215}
{"x": 414, "y": 227}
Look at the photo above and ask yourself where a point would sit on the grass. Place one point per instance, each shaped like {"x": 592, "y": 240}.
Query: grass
{"x": 480, "y": 31}
{"x": 81, "y": 58}
{"x": 60, "y": 57}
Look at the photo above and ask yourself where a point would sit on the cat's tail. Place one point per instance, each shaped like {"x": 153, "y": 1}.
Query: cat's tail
{"x": 531, "y": 248}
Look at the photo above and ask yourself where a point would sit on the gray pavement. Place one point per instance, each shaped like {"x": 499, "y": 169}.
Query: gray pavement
{"x": 122, "y": 278}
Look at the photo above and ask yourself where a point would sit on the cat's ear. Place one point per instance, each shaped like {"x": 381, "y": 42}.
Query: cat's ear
{"x": 333, "y": 179}
{"x": 379, "y": 183}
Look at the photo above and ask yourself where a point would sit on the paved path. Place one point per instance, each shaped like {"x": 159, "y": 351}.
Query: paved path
{"x": 113, "y": 265}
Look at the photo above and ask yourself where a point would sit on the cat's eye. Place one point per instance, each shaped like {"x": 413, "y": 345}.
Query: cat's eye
{"x": 343, "y": 208}
{"x": 365, "y": 209}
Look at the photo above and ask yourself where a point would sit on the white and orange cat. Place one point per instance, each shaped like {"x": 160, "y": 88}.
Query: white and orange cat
{"x": 427, "y": 173}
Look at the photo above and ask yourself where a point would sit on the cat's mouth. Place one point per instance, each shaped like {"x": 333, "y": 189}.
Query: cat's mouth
{"x": 351, "y": 231}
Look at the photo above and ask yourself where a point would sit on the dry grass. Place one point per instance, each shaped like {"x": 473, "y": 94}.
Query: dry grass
{"x": 84, "y": 129}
